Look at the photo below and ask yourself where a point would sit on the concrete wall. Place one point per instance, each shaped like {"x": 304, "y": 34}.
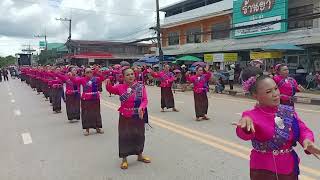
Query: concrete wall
{"x": 316, "y": 4}
{"x": 205, "y": 25}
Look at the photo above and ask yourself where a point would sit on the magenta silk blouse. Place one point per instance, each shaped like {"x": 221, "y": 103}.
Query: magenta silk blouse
{"x": 126, "y": 108}
{"x": 264, "y": 124}
{"x": 200, "y": 83}
{"x": 286, "y": 89}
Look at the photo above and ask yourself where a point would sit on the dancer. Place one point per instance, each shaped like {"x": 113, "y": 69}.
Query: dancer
{"x": 90, "y": 103}
{"x": 57, "y": 91}
{"x": 132, "y": 116}
{"x": 72, "y": 93}
{"x": 287, "y": 85}
{"x": 166, "y": 80}
{"x": 274, "y": 130}
{"x": 200, "y": 88}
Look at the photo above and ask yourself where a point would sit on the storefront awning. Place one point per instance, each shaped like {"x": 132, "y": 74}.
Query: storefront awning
{"x": 283, "y": 46}
{"x": 90, "y": 56}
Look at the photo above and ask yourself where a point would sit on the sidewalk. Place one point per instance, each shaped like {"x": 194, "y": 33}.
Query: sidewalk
{"x": 308, "y": 97}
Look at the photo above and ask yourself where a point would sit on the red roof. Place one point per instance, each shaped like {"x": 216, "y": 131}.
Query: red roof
{"x": 90, "y": 55}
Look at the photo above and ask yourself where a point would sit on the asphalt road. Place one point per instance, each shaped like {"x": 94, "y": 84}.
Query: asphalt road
{"x": 39, "y": 145}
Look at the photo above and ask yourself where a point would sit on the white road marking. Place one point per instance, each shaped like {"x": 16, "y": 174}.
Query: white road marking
{"x": 10, "y": 93}
{"x": 17, "y": 112}
{"x": 13, "y": 101}
{"x": 26, "y": 137}
{"x": 239, "y": 114}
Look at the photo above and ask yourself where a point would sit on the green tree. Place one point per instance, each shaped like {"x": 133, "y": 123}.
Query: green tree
{"x": 6, "y": 61}
{"x": 48, "y": 57}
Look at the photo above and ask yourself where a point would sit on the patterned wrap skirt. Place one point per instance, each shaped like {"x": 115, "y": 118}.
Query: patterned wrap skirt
{"x": 131, "y": 136}
{"x": 268, "y": 175}
{"x": 200, "y": 104}
{"x": 90, "y": 114}
{"x": 56, "y": 98}
{"x": 167, "y": 100}
{"x": 73, "y": 106}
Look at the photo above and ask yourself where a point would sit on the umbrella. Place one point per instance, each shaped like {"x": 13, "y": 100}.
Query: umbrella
{"x": 152, "y": 60}
{"x": 124, "y": 63}
{"x": 104, "y": 69}
{"x": 202, "y": 64}
{"x": 176, "y": 71}
{"x": 189, "y": 58}
{"x": 192, "y": 69}
{"x": 218, "y": 75}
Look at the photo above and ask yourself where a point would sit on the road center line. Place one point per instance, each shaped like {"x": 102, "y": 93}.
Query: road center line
{"x": 13, "y": 101}
{"x": 211, "y": 140}
{"x": 10, "y": 93}
{"x": 26, "y": 137}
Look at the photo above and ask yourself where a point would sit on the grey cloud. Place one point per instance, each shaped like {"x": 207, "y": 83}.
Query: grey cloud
{"x": 106, "y": 23}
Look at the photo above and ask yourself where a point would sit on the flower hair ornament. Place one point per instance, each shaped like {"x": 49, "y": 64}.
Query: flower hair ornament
{"x": 246, "y": 85}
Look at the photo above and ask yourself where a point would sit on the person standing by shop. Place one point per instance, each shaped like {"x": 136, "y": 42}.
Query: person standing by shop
{"x": 231, "y": 75}
{"x": 200, "y": 89}
{"x": 132, "y": 116}
{"x": 166, "y": 80}
{"x": 287, "y": 85}
{"x": 90, "y": 103}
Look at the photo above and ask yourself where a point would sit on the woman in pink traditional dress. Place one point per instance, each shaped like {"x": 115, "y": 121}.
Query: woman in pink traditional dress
{"x": 274, "y": 131}
{"x": 57, "y": 90}
{"x": 200, "y": 88}
{"x": 72, "y": 94}
{"x": 287, "y": 85}
{"x": 90, "y": 103}
{"x": 166, "y": 80}
{"x": 132, "y": 116}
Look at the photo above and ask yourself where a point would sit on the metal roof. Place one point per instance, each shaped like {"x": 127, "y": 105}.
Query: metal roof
{"x": 211, "y": 10}
{"x": 176, "y": 4}
{"x": 299, "y": 37}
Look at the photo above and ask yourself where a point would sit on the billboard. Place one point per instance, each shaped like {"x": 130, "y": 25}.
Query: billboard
{"x": 271, "y": 15}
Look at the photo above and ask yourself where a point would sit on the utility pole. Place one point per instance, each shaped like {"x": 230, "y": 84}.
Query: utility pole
{"x": 70, "y": 24}
{"x": 45, "y": 39}
{"x": 158, "y": 28}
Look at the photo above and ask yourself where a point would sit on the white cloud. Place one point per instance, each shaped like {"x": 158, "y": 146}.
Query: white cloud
{"x": 91, "y": 20}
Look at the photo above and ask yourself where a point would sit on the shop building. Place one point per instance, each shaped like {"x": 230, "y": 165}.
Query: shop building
{"x": 104, "y": 52}
{"x": 243, "y": 30}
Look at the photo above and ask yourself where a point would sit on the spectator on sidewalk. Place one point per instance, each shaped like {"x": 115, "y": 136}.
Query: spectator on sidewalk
{"x": 317, "y": 79}
{"x": 231, "y": 75}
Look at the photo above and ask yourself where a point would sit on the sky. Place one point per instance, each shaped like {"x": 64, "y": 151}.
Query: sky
{"x": 110, "y": 20}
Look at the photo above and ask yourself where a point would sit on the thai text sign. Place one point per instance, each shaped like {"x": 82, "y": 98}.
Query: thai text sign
{"x": 221, "y": 57}
{"x": 266, "y": 55}
{"x": 259, "y": 17}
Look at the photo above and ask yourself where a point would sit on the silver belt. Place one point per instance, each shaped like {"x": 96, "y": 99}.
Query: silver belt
{"x": 91, "y": 93}
{"x": 276, "y": 152}
{"x": 131, "y": 109}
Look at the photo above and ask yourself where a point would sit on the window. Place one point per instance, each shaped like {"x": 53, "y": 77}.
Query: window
{"x": 173, "y": 38}
{"x": 220, "y": 30}
{"x": 300, "y": 22}
{"x": 194, "y": 35}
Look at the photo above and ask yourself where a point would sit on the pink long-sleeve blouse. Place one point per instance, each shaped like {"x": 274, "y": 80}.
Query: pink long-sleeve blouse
{"x": 287, "y": 86}
{"x": 166, "y": 78}
{"x": 90, "y": 88}
{"x": 127, "y": 107}
{"x": 200, "y": 82}
{"x": 264, "y": 123}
